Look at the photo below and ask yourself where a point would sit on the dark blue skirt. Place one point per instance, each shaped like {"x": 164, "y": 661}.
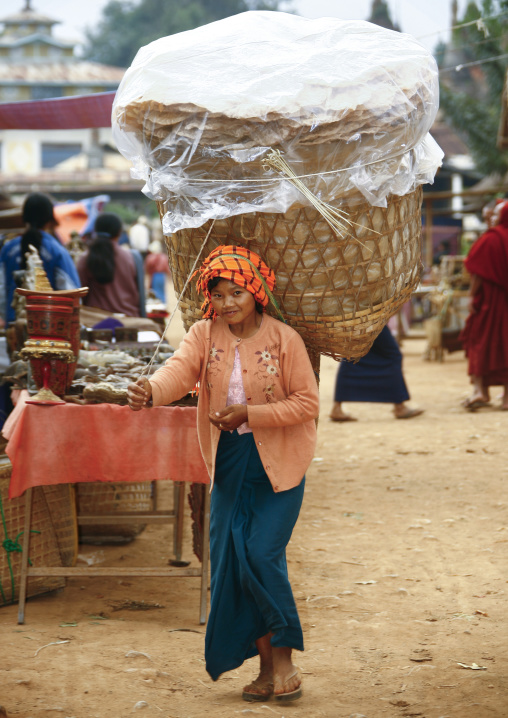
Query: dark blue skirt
{"x": 250, "y": 527}
{"x": 377, "y": 377}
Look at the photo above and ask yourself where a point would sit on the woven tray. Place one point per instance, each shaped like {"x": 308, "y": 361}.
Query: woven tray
{"x": 52, "y": 543}
{"x": 337, "y": 293}
{"x": 97, "y": 499}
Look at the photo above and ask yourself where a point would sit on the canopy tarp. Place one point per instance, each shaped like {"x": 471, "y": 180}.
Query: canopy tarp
{"x": 60, "y": 113}
{"x": 78, "y": 216}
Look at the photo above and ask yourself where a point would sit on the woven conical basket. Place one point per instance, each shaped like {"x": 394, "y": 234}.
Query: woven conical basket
{"x": 337, "y": 293}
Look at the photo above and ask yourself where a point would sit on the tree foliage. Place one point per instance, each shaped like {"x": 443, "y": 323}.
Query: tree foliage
{"x": 471, "y": 94}
{"x": 380, "y": 15}
{"x": 126, "y": 25}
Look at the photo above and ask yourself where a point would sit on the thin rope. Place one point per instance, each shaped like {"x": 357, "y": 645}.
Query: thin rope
{"x": 267, "y": 180}
{"x": 460, "y": 67}
{"x": 336, "y": 218}
{"x": 150, "y": 363}
{"x": 480, "y": 20}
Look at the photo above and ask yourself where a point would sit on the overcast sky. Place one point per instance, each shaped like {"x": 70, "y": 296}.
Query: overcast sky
{"x": 427, "y": 20}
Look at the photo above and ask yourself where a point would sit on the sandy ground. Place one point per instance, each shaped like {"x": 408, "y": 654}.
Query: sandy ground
{"x": 398, "y": 565}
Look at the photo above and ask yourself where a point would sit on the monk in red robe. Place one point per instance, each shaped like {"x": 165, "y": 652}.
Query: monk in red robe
{"x": 485, "y": 336}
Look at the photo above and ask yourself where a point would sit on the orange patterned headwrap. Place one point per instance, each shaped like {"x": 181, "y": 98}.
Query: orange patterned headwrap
{"x": 238, "y": 265}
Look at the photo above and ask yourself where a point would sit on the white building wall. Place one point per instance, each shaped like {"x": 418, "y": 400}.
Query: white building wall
{"x": 21, "y": 150}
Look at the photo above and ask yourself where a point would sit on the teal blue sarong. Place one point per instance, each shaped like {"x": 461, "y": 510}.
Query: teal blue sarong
{"x": 250, "y": 527}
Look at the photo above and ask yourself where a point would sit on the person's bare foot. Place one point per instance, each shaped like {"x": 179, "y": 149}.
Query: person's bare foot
{"x": 260, "y": 689}
{"x": 337, "y": 414}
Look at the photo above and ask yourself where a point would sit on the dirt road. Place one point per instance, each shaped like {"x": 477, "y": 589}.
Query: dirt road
{"x": 398, "y": 564}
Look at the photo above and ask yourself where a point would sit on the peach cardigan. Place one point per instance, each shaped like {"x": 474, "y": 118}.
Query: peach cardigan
{"x": 280, "y": 387}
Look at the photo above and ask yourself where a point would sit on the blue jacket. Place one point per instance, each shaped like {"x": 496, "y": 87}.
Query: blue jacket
{"x": 57, "y": 262}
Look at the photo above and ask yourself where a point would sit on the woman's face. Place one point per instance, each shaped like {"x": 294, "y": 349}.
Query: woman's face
{"x": 233, "y": 303}
{"x": 496, "y": 215}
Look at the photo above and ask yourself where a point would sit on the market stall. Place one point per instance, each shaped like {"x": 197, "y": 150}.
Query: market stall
{"x": 72, "y": 440}
{"x": 448, "y": 299}
{"x": 64, "y": 435}
{"x": 83, "y": 451}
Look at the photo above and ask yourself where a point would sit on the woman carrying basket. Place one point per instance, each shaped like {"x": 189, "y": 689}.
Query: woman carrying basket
{"x": 257, "y": 404}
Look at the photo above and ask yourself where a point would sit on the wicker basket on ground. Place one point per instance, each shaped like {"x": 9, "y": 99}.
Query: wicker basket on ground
{"x": 338, "y": 293}
{"x": 99, "y": 498}
{"x": 53, "y": 541}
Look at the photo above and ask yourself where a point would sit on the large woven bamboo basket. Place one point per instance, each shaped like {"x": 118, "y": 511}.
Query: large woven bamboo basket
{"x": 338, "y": 293}
{"x": 53, "y": 541}
{"x": 95, "y": 499}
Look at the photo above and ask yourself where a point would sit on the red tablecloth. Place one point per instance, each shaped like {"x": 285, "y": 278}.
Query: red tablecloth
{"x": 103, "y": 442}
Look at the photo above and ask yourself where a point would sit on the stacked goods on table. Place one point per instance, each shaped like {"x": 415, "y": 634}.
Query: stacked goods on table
{"x": 102, "y": 375}
{"x": 304, "y": 140}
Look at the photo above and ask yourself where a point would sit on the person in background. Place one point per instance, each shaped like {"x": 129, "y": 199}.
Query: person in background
{"x": 40, "y": 224}
{"x": 443, "y": 250}
{"x": 110, "y": 271}
{"x": 488, "y": 211}
{"x": 124, "y": 239}
{"x": 140, "y": 276}
{"x": 257, "y": 407}
{"x": 139, "y": 236}
{"x": 377, "y": 377}
{"x": 485, "y": 335}
{"x": 157, "y": 269}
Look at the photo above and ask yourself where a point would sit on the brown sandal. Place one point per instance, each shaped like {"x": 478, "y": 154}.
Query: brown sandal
{"x": 409, "y": 413}
{"x": 292, "y": 695}
{"x": 473, "y": 404}
{"x": 257, "y": 697}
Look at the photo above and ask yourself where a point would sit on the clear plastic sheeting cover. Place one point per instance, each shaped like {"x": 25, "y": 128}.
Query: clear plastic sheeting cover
{"x": 349, "y": 104}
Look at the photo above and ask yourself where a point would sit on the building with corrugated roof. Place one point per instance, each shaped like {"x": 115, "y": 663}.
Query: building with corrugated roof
{"x": 35, "y": 65}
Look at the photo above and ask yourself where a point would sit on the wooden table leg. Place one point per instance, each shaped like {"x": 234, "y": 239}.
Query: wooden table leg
{"x": 155, "y": 495}
{"x": 206, "y": 556}
{"x": 24, "y": 556}
{"x": 178, "y": 509}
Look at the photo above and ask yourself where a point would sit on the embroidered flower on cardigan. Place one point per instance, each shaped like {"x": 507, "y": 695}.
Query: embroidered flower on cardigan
{"x": 269, "y": 393}
{"x": 265, "y": 355}
{"x": 214, "y": 352}
{"x": 268, "y": 368}
{"x": 212, "y": 364}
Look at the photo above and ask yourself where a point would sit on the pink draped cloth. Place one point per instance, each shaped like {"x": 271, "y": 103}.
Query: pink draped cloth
{"x": 102, "y": 442}
{"x": 236, "y": 392}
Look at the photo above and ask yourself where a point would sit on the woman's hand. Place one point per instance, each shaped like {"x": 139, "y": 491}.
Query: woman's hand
{"x": 229, "y": 418}
{"x": 139, "y": 393}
